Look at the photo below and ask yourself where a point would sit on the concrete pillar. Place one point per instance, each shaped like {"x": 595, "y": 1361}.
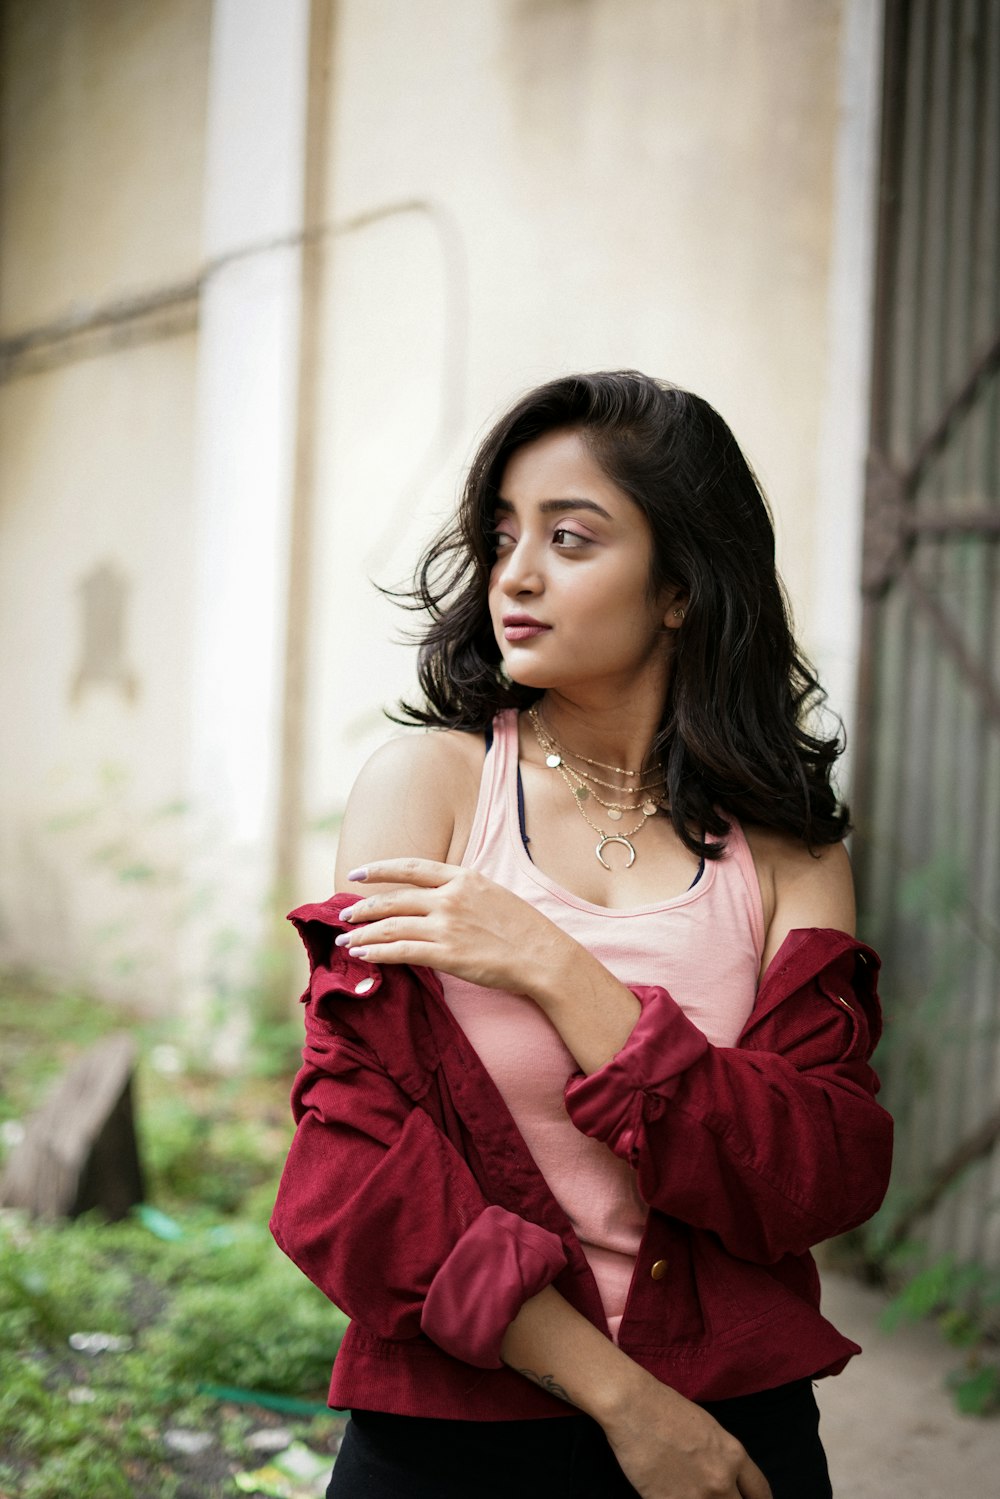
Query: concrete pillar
{"x": 246, "y": 419}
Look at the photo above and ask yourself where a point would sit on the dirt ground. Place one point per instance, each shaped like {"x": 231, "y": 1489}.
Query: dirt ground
{"x": 888, "y": 1424}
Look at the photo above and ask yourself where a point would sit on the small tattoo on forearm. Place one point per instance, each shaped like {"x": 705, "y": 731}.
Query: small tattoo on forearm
{"x": 547, "y": 1383}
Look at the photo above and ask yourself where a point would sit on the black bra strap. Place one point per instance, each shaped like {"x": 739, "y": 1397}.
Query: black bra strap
{"x": 520, "y": 814}
{"x": 520, "y": 795}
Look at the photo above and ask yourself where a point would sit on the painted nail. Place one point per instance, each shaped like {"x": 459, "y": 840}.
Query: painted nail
{"x": 357, "y": 952}
{"x": 347, "y": 914}
{"x": 356, "y": 876}
{"x": 343, "y": 939}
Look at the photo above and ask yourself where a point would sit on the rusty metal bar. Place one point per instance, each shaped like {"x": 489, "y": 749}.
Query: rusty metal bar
{"x": 891, "y": 522}
{"x": 960, "y": 404}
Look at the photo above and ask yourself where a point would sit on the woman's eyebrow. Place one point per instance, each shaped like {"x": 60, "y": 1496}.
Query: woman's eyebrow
{"x": 556, "y": 507}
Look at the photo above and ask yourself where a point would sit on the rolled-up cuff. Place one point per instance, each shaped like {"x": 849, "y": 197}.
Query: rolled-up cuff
{"x": 496, "y": 1266}
{"x": 608, "y": 1103}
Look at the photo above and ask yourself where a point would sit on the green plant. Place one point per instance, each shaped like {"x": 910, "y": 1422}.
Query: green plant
{"x": 192, "y": 1283}
{"x": 219, "y": 1305}
{"x": 55, "y": 1447}
{"x": 961, "y": 1299}
{"x": 250, "y": 1320}
{"x": 53, "y": 1282}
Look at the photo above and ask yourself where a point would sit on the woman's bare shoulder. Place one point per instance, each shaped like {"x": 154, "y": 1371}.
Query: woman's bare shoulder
{"x": 422, "y": 755}
{"x": 408, "y": 798}
{"x": 800, "y": 887}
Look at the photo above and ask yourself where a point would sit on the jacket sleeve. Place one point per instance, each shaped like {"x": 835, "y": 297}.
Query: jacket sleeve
{"x": 773, "y": 1145}
{"x": 380, "y": 1211}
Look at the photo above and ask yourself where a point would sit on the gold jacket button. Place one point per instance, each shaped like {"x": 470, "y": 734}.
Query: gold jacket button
{"x": 659, "y": 1270}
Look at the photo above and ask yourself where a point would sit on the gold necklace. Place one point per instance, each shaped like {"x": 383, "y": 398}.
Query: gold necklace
{"x": 557, "y": 759}
{"x": 655, "y": 784}
{"x": 615, "y": 810}
{"x": 554, "y": 752}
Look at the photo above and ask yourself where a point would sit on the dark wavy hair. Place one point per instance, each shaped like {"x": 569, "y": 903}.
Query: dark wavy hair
{"x": 735, "y": 734}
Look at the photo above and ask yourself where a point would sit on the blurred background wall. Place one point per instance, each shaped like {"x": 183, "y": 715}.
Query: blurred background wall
{"x": 267, "y": 272}
{"x": 103, "y": 171}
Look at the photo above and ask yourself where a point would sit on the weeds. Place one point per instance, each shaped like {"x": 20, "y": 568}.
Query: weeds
{"x": 962, "y": 1301}
{"x": 191, "y": 1289}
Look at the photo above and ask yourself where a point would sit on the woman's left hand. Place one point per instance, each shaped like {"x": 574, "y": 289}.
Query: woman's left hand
{"x": 446, "y": 917}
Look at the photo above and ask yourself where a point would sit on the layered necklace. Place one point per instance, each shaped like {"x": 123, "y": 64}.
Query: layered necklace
{"x": 643, "y": 792}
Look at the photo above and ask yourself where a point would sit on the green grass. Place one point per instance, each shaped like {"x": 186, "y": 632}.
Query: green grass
{"x": 197, "y": 1287}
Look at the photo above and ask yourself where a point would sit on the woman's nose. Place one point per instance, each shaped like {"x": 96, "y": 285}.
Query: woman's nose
{"x": 519, "y": 571}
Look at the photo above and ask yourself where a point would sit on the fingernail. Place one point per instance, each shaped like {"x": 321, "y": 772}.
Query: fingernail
{"x": 347, "y": 914}
{"x": 357, "y": 875}
{"x": 343, "y": 939}
{"x": 357, "y": 952}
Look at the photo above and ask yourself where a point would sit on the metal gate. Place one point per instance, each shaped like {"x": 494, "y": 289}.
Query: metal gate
{"x": 927, "y": 793}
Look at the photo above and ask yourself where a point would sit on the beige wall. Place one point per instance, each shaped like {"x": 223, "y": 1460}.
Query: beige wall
{"x": 103, "y": 117}
{"x": 95, "y": 471}
{"x": 103, "y": 107}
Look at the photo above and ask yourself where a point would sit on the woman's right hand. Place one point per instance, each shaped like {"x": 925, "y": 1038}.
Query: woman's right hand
{"x": 669, "y": 1448}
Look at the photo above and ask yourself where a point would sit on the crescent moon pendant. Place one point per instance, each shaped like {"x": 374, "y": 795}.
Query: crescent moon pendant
{"x": 614, "y": 838}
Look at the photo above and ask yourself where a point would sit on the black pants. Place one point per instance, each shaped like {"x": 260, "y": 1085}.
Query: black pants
{"x": 410, "y": 1457}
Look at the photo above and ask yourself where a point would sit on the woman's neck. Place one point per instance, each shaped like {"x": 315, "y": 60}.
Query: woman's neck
{"x": 618, "y": 734}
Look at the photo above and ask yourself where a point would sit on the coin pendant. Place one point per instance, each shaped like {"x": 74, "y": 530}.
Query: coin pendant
{"x": 581, "y": 793}
{"x": 615, "y": 814}
{"x": 649, "y": 809}
{"x": 553, "y": 761}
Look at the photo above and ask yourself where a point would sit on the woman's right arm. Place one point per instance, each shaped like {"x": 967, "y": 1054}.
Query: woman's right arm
{"x": 415, "y": 798}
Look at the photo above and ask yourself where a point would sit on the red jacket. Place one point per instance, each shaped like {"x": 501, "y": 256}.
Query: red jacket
{"x": 411, "y": 1200}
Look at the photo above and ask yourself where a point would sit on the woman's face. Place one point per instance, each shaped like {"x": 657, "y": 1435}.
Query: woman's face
{"x": 569, "y": 590}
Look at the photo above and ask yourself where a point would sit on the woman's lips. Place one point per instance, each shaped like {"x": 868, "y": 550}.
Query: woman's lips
{"x": 523, "y": 631}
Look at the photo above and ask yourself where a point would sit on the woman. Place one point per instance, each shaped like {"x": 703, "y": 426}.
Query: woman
{"x": 586, "y": 1069}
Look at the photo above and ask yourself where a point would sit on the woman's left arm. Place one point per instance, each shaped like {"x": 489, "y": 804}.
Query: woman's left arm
{"x": 778, "y": 1142}
{"x": 773, "y": 1145}
{"x": 800, "y": 889}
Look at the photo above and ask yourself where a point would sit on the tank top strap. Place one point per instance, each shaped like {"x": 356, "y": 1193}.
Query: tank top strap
{"x": 742, "y": 871}
{"x": 498, "y": 788}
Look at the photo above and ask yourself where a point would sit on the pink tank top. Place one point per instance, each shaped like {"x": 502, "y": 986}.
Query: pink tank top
{"x": 704, "y": 946}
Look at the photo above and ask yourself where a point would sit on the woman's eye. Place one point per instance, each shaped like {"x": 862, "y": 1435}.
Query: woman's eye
{"x": 564, "y": 538}
{"x": 501, "y": 541}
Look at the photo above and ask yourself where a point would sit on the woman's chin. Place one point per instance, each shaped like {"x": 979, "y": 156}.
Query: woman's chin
{"x": 525, "y": 674}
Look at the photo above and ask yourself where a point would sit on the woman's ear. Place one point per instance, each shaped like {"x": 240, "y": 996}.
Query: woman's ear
{"x": 676, "y": 611}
